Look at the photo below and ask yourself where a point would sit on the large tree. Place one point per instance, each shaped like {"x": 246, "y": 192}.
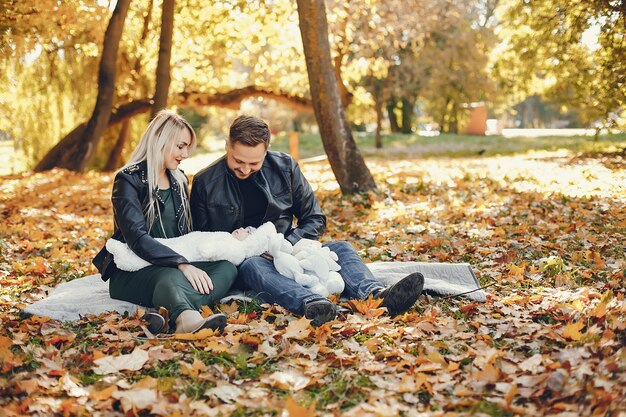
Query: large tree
{"x": 345, "y": 159}
{"x": 163, "y": 77}
{"x": 75, "y": 152}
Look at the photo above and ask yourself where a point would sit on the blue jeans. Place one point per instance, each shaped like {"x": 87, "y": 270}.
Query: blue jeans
{"x": 258, "y": 274}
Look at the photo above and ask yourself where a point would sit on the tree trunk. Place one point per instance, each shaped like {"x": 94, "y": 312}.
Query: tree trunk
{"x": 378, "y": 104}
{"x": 115, "y": 158}
{"x": 454, "y": 118}
{"x": 407, "y": 115}
{"x": 344, "y": 93}
{"x": 391, "y": 114}
{"x": 343, "y": 155}
{"x": 163, "y": 77}
{"x": 76, "y": 153}
{"x": 442, "y": 120}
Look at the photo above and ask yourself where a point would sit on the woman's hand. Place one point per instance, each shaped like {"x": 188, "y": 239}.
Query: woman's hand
{"x": 199, "y": 279}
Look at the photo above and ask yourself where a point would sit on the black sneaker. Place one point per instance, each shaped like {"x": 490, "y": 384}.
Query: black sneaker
{"x": 156, "y": 322}
{"x": 401, "y": 296}
{"x": 215, "y": 322}
{"x": 320, "y": 312}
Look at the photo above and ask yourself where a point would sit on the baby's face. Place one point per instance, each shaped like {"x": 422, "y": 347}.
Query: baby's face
{"x": 240, "y": 233}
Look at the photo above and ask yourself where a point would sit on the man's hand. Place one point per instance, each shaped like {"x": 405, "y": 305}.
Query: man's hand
{"x": 198, "y": 279}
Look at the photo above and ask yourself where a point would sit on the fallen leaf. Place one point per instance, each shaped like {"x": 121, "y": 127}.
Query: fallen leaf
{"x": 572, "y": 330}
{"x": 298, "y": 329}
{"x": 293, "y": 409}
{"x": 290, "y": 380}
{"x": 131, "y": 362}
{"x": 227, "y": 393}
{"x": 136, "y": 399}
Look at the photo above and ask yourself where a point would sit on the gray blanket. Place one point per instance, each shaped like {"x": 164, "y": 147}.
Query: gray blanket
{"x": 90, "y": 295}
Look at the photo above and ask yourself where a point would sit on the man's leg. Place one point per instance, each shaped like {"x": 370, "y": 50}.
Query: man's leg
{"x": 260, "y": 275}
{"x": 360, "y": 281}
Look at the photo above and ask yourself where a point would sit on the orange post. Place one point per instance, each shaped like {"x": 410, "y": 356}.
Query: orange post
{"x": 294, "y": 145}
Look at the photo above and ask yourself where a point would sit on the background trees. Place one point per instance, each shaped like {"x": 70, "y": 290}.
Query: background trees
{"x": 395, "y": 63}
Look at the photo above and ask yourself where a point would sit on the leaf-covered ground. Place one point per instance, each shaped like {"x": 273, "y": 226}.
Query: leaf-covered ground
{"x": 544, "y": 231}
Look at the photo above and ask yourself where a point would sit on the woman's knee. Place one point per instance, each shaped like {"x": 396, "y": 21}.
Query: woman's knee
{"x": 228, "y": 270}
{"x": 170, "y": 281}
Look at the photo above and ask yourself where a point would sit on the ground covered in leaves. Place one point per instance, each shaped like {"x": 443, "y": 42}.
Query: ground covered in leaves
{"x": 545, "y": 231}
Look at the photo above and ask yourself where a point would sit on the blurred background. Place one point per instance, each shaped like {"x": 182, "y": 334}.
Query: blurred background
{"x": 402, "y": 67}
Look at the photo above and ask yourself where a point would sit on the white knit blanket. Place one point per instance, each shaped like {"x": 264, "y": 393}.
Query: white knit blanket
{"x": 90, "y": 295}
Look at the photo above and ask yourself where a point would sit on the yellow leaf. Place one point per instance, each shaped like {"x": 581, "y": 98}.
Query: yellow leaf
{"x": 206, "y": 311}
{"x": 201, "y": 334}
{"x": 572, "y": 330}
{"x": 516, "y": 271}
{"x": 436, "y": 357}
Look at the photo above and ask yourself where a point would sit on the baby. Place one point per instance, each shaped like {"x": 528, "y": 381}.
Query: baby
{"x": 243, "y": 233}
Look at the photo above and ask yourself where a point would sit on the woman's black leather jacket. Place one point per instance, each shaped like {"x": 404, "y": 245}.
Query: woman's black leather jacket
{"x": 129, "y": 198}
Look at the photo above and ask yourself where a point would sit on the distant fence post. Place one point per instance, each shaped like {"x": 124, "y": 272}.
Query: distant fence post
{"x": 294, "y": 145}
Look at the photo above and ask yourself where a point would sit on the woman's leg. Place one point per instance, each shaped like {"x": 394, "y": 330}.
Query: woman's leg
{"x": 156, "y": 286}
{"x": 222, "y": 274}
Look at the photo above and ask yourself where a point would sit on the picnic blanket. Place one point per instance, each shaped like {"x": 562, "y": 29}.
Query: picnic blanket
{"x": 90, "y": 295}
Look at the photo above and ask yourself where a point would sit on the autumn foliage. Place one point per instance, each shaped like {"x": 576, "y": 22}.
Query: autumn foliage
{"x": 544, "y": 231}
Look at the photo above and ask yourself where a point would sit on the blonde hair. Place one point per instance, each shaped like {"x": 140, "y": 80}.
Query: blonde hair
{"x": 159, "y": 138}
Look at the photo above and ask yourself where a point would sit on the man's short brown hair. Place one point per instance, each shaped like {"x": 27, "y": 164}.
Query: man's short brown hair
{"x": 250, "y": 131}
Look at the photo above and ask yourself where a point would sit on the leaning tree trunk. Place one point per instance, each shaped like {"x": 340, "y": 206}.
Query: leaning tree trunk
{"x": 345, "y": 159}
{"x": 163, "y": 77}
{"x": 75, "y": 151}
{"x": 116, "y": 159}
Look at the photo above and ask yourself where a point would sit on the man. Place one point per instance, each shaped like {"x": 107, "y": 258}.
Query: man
{"x": 250, "y": 186}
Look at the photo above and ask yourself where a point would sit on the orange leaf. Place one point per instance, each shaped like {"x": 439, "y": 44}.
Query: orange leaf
{"x": 295, "y": 410}
{"x": 468, "y": 308}
{"x": 511, "y": 394}
{"x": 368, "y": 307}
{"x": 572, "y": 330}
{"x": 599, "y": 311}
{"x": 105, "y": 394}
{"x": 40, "y": 266}
{"x": 489, "y": 374}
{"x": 453, "y": 366}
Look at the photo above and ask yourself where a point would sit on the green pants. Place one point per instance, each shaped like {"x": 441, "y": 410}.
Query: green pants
{"x": 159, "y": 286}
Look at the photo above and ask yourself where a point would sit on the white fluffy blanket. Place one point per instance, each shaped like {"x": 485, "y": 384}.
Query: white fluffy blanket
{"x": 200, "y": 246}
{"x": 90, "y": 295}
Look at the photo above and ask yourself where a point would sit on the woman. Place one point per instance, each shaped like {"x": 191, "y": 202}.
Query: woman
{"x": 150, "y": 201}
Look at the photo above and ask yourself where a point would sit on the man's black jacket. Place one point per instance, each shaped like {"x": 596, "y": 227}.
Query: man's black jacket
{"x": 129, "y": 198}
{"x": 217, "y": 204}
